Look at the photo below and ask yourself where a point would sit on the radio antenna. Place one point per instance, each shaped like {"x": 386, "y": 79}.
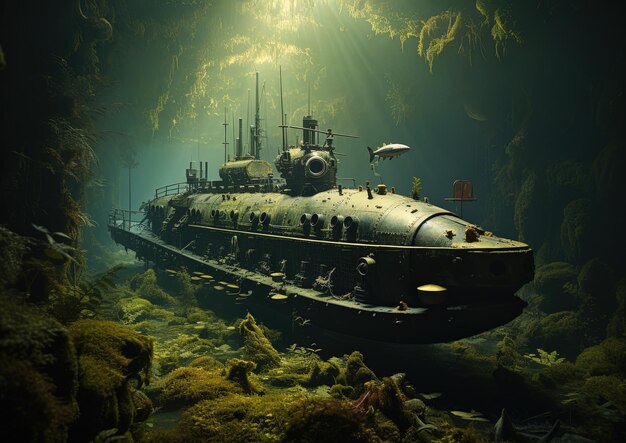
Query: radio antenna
{"x": 225, "y": 140}
{"x": 282, "y": 110}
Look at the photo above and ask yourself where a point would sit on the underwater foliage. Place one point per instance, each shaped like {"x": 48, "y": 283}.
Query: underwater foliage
{"x": 437, "y": 33}
{"x": 577, "y": 230}
{"x": 38, "y": 375}
{"x": 356, "y": 373}
{"x": 608, "y": 357}
{"x": 323, "y": 373}
{"x": 562, "y": 331}
{"x": 333, "y": 419}
{"x": 238, "y": 371}
{"x": 189, "y": 385}
{"x": 545, "y": 358}
{"x": 416, "y": 188}
{"x": 257, "y": 347}
{"x": 147, "y": 287}
{"x": 109, "y": 357}
{"x": 556, "y": 283}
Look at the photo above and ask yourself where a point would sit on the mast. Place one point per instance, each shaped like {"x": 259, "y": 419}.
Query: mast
{"x": 255, "y": 130}
{"x": 257, "y": 123}
{"x": 282, "y": 110}
{"x": 225, "y": 139}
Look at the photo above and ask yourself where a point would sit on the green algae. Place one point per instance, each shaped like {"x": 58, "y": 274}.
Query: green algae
{"x": 257, "y": 347}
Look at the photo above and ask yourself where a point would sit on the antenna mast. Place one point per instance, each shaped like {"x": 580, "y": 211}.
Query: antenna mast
{"x": 255, "y": 143}
{"x": 225, "y": 140}
{"x": 282, "y": 110}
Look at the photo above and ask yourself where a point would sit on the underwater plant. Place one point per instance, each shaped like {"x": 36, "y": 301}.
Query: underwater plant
{"x": 188, "y": 385}
{"x": 38, "y": 374}
{"x": 416, "y": 188}
{"x": 257, "y": 347}
{"x": 437, "y": 32}
{"x": 545, "y": 358}
{"x": 110, "y": 356}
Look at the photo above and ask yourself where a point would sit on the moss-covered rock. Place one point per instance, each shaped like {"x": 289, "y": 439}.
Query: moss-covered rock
{"x": 239, "y": 371}
{"x": 356, "y": 373}
{"x": 257, "y": 347}
{"x": 38, "y": 375}
{"x": 561, "y": 331}
{"x": 147, "y": 287}
{"x": 577, "y": 234}
{"x": 332, "y": 420}
{"x": 133, "y": 310}
{"x": 617, "y": 324}
{"x": 604, "y": 388}
{"x": 598, "y": 303}
{"x": 323, "y": 373}
{"x": 109, "y": 357}
{"x": 608, "y": 357}
{"x": 556, "y": 283}
{"x": 188, "y": 385}
{"x": 563, "y": 373}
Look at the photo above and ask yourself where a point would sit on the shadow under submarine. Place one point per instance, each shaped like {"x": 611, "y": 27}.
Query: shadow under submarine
{"x": 370, "y": 264}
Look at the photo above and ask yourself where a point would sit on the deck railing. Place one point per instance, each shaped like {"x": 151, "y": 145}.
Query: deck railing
{"x": 125, "y": 219}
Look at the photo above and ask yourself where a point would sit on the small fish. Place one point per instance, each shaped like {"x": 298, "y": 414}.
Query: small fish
{"x": 430, "y": 396}
{"x": 388, "y": 151}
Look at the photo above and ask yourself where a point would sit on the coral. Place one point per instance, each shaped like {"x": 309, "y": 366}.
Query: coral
{"x": 577, "y": 230}
{"x": 238, "y": 371}
{"x": 38, "y": 374}
{"x": 555, "y": 283}
{"x": 109, "y": 356}
{"x": 257, "y": 347}
{"x": 188, "y": 385}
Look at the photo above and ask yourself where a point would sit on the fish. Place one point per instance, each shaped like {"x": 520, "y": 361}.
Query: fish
{"x": 388, "y": 151}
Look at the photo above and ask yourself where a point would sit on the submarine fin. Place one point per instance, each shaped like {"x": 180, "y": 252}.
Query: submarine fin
{"x": 371, "y": 154}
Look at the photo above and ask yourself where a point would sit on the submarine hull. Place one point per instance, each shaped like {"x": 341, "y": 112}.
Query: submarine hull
{"x": 468, "y": 309}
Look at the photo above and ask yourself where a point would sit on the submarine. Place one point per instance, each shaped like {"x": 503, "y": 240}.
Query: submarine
{"x": 361, "y": 261}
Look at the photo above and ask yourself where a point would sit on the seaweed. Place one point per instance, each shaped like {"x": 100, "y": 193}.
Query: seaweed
{"x": 188, "y": 385}
{"x": 109, "y": 357}
{"x": 257, "y": 347}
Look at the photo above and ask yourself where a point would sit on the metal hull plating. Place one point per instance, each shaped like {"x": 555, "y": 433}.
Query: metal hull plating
{"x": 245, "y": 237}
{"x": 365, "y": 320}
